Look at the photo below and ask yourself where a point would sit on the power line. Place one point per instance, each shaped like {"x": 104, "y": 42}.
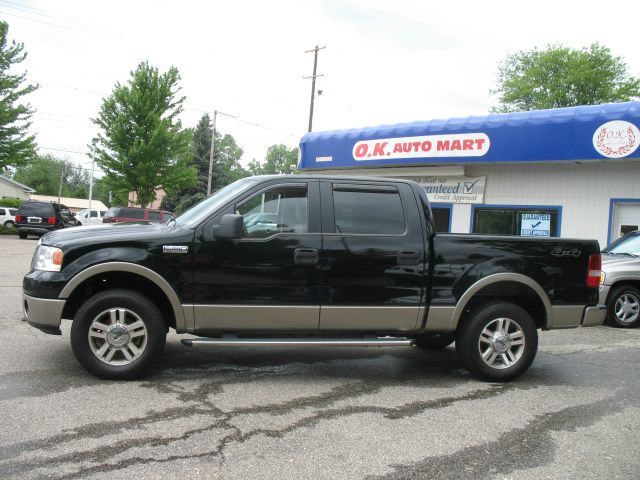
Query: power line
{"x": 42, "y": 13}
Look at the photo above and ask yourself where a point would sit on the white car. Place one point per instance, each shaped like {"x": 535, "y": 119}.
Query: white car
{"x": 96, "y": 216}
{"x": 8, "y": 216}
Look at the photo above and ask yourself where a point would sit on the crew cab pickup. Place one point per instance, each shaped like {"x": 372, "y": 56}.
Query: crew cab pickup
{"x": 303, "y": 260}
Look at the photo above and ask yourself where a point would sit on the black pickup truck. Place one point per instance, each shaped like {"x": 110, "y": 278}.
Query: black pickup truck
{"x": 306, "y": 260}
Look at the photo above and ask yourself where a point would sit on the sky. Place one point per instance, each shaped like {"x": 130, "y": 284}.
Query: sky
{"x": 385, "y": 62}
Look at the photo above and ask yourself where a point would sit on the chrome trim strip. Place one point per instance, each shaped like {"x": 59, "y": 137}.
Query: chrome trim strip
{"x": 368, "y": 318}
{"x": 296, "y": 342}
{"x": 86, "y": 274}
{"x": 42, "y": 311}
{"x": 256, "y": 317}
{"x": 567, "y": 316}
{"x": 594, "y": 316}
{"x": 495, "y": 278}
{"x": 439, "y": 319}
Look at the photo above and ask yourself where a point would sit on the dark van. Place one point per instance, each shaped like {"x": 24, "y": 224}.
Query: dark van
{"x": 133, "y": 214}
{"x": 38, "y": 218}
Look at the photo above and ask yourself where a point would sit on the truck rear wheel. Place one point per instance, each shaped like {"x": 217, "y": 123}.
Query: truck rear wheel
{"x": 118, "y": 334}
{"x": 497, "y": 342}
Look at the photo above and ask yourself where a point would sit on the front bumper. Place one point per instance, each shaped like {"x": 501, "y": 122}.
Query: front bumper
{"x": 594, "y": 316}
{"x": 43, "y": 313}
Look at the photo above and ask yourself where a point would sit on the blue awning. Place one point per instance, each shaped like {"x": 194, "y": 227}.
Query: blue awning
{"x": 565, "y": 134}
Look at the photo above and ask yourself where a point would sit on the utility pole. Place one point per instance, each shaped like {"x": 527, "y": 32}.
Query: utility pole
{"x": 211, "y": 152}
{"x": 213, "y": 147}
{"x": 94, "y": 141}
{"x": 313, "y": 81}
{"x": 60, "y": 188}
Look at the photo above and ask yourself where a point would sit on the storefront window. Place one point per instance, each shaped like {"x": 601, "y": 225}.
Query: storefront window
{"x": 522, "y": 221}
{"x": 441, "y": 218}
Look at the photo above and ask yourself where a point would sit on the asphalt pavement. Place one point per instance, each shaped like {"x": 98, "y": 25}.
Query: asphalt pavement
{"x": 297, "y": 413}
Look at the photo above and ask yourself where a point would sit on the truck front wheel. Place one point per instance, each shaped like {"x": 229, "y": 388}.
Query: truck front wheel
{"x": 118, "y": 334}
{"x": 497, "y": 342}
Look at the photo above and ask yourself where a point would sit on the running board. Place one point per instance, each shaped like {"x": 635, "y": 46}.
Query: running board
{"x": 298, "y": 342}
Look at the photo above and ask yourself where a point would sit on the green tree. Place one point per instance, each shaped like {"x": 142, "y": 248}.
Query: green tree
{"x": 226, "y": 162}
{"x": 226, "y": 167}
{"x": 16, "y": 145}
{"x": 279, "y": 159}
{"x": 142, "y": 145}
{"x": 43, "y": 174}
{"x": 562, "y": 77}
{"x": 181, "y": 199}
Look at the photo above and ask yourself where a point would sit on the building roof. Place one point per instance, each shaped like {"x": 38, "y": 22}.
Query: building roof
{"x": 13, "y": 183}
{"x": 597, "y": 132}
{"x": 72, "y": 203}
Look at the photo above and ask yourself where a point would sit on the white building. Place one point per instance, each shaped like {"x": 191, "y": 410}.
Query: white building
{"x": 570, "y": 172}
{"x": 12, "y": 189}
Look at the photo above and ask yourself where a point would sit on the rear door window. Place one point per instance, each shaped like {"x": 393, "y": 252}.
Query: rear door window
{"x": 154, "y": 216}
{"x": 375, "y": 210}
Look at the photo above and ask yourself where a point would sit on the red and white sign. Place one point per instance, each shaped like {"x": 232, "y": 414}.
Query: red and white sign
{"x": 455, "y": 145}
{"x": 616, "y": 139}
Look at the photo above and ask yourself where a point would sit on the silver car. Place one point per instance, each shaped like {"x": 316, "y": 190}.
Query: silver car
{"x": 620, "y": 281}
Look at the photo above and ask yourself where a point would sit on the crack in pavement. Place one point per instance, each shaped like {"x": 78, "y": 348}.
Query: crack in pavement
{"x": 519, "y": 449}
{"x": 101, "y": 454}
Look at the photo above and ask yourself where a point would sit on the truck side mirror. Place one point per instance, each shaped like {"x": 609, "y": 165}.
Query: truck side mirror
{"x": 230, "y": 227}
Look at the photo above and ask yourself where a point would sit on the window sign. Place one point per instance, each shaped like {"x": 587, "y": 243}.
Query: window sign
{"x": 453, "y": 189}
{"x": 535, "y": 225}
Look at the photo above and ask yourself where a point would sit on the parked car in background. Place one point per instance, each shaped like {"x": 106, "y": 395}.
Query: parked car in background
{"x": 133, "y": 214}
{"x": 96, "y": 216}
{"x": 38, "y": 218}
{"x": 620, "y": 281}
{"x": 8, "y": 216}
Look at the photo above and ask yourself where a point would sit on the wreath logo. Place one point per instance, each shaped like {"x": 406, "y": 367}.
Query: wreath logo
{"x": 616, "y": 139}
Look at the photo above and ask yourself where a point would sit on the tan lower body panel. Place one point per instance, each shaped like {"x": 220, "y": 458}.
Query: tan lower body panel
{"x": 567, "y": 316}
{"x": 256, "y": 317}
{"x": 368, "y": 318}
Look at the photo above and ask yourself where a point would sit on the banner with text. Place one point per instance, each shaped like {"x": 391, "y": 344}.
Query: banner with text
{"x": 453, "y": 189}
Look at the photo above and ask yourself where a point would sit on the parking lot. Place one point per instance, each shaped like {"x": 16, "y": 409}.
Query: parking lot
{"x": 314, "y": 413}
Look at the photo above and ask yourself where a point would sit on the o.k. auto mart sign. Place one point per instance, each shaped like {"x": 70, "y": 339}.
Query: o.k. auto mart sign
{"x": 453, "y": 189}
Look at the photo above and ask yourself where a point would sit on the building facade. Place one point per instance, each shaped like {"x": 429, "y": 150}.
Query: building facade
{"x": 11, "y": 189}
{"x": 570, "y": 172}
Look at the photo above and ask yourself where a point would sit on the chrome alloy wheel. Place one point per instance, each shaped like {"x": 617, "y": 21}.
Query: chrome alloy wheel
{"x": 627, "y": 308}
{"x": 118, "y": 336}
{"x": 501, "y": 343}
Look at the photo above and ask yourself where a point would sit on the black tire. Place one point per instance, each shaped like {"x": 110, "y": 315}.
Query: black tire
{"x": 516, "y": 357}
{"x": 121, "y": 306}
{"x": 9, "y": 224}
{"x": 623, "y": 307}
{"x": 435, "y": 341}
{"x": 22, "y": 234}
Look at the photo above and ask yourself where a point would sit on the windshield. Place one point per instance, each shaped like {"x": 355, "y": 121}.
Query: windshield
{"x": 206, "y": 207}
{"x": 626, "y": 245}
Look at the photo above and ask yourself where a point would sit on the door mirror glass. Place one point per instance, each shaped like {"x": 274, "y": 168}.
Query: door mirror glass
{"x": 230, "y": 227}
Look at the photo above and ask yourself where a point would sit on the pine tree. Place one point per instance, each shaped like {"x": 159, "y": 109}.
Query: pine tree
{"x": 17, "y": 147}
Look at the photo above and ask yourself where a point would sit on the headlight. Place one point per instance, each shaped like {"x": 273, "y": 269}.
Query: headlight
{"x": 602, "y": 277}
{"x": 47, "y": 258}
